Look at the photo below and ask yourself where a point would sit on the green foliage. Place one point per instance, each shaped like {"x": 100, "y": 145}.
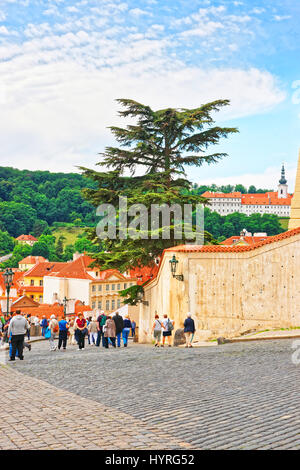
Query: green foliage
{"x": 161, "y": 144}
{"x": 7, "y": 243}
{"x": 19, "y": 252}
{"x": 229, "y": 188}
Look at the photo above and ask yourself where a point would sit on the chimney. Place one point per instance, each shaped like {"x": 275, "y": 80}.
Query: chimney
{"x": 76, "y": 256}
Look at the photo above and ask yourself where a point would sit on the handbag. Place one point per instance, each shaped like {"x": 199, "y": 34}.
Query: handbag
{"x": 48, "y": 333}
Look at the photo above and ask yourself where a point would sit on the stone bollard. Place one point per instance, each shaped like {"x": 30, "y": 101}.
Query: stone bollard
{"x": 179, "y": 337}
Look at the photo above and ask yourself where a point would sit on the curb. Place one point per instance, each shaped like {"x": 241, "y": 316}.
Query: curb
{"x": 245, "y": 340}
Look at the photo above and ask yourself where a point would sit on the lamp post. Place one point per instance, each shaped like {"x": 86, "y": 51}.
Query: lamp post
{"x": 173, "y": 266}
{"x": 8, "y": 281}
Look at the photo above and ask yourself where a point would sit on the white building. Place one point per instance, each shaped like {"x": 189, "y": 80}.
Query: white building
{"x": 277, "y": 202}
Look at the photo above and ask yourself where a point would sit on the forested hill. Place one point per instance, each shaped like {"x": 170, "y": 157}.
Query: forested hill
{"x": 31, "y": 200}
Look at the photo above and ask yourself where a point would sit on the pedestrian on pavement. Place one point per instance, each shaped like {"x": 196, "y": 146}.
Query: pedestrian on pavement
{"x": 119, "y": 322}
{"x": 54, "y": 328}
{"x": 63, "y": 326}
{"x": 44, "y": 324}
{"x": 101, "y": 320}
{"x": 93, "y": 331}
{"x": 29, "y": 323}
{"x": 168, "y": 326}
{"x": 133, "y": 327}
{"x": 110, "y": 332}
{"x": 156, "y": 329}
{"x": 17, "y": 329}
{"x": 72, "y": 332}
{"x": 126, "y": 330}
{"x": 189, "y": 330}
{"x": 81, "y": 330}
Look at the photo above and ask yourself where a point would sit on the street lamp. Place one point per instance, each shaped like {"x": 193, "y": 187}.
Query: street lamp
{"x": 8, "y": 281}
{"x": 173, "y": 266}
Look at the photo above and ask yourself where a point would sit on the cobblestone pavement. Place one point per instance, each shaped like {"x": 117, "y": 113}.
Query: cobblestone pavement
{"x": 235, "y": 396}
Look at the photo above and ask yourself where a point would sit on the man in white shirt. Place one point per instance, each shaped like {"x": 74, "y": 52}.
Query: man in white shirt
{"x": 17, "y": 328}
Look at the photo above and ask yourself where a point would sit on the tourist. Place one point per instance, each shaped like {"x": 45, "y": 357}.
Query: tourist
{"x": 126, "y": 330}
{"x": 189, "y": 330}
{"x": 63, "y": 326}
{"x": 93, "y": 331}
{"x": 72, "y": 332}
{"x": 81, "y": 331}
{"x": 133, "y": 327}
{"x": 53, "y": 329}
{"x": 110, "y": 332}
{"x": 88, "y": 321}
{"x": 119, "y": 322}
{"x": 29, "y": 323}
{"x": 101, "y": 320}
{"x": 156, "y": 329}
{"x": 167, "y": 332}
{"x": 17, "y": 329}
{"x": 44, "y": 324}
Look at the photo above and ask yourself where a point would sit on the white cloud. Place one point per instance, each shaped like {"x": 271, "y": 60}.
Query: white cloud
{"x": 281, "y": 18}
{"x": 266, "y": 180}
{"x": 138, "y": 12}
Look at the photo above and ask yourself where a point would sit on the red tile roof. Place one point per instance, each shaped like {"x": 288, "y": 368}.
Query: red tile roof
{"x": 33, "y": 289}
{"x": 232, "y": 248}
{"x": 75, "y": 269}
{"x": 44, "y": 269}
{"x": 33, "y": 260}
{"x": 248, "y": 240}
{"x": 27, "y": 238}
{"x": 266, "y": 199}
{"x": 143, "y": 274}
{"x": 54, "y": 309}
{"x": 222, "y": 195}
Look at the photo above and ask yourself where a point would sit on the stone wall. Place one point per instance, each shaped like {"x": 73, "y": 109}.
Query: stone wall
{"x": 228, "y": 292}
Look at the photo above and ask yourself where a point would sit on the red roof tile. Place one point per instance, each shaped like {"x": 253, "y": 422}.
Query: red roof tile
{"x": 27, "y": 238}
{"x": 248, "y": 240}
{"x": 33, "y": 260}
{"x": 44, "y": 269}
{"x": 75, "y": 269}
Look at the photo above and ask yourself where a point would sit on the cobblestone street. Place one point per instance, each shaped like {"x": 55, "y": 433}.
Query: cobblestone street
{"x": 235, "y": 396}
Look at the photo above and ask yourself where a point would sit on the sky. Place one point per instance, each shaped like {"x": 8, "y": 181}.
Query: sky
{"x": 64, "y": 62}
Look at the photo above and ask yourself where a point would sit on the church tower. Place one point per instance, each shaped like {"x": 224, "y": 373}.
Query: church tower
{"x": 282, "y": 187}
{"x": 295, "y": 207}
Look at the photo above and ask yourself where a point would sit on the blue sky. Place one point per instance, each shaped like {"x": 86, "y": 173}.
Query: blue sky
{"x": 62, "y": 64}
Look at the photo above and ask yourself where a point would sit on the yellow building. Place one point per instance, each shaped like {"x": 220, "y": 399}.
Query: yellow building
{"x": 30, "y": 261}
{"x": 105, "y": 288}
{"x": 34, "y": 279}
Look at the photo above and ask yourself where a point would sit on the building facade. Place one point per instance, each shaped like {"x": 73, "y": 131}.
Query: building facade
{"x": 277, "y": 202}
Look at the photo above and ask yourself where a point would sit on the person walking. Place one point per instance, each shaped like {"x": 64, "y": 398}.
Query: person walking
{"x": 93, "y": 331}
{"x": 101, "y": 320}
{"x": 81, "y": 331}
{"x": 167, "y": 332}
{"x": 72, "y": 332}
{"x": 126, "y": 330}
{"x": 29, "y": 323}
{"x": 133, "y": 327}
{"x": 189, "y": 330}
{"x": 156, "y": 329}
{"x": 54, "y": 328}
{"x": 119, "y": 322}
{"x": 63, "y": 326}
{"x": 110, "y": 332}
{"x": 44, "y": 324}
{"x": 17, "y": 329}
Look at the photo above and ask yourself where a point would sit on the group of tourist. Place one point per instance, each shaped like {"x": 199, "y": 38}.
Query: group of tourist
{"x": 105, "y": 329}
{"x": 165, "y": 327}
{"x": 14, "y": 327}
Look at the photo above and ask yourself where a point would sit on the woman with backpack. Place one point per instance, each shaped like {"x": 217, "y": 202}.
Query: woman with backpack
{"x": 156, "y": 329}
{"x": 53, "y": 329}
{"x": 168, "y": 328}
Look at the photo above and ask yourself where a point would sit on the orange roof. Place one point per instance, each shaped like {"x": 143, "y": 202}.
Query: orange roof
{"x": 248, "y": 240}
{"x": 18, "y": 276}
{"x": 222, "y": 195}
{"x": 104, "y": 275}
{"x": 232, "y": 248}
{"x": 54, "y": 309}
{"x": 33, "y": 260}
{"x": 33, "y": 288}
{"x": 44, "y": 269}
{"x": 27, "y": 238}
{"x": 75, "y": 269}
{"x": 266, "y": 199}
{"x": 143, "y": 274}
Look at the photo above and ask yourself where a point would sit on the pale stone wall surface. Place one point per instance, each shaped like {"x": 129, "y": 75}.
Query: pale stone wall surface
{"x": 228, "y": 293}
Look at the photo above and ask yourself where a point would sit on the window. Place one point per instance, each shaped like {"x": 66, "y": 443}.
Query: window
{"x": 113, "y": 286}
{"x": 113, "y": 304}
{"x": 93, "y": 288}
{"x": 41, "y": 283}
{"x": 107, "y": 305}
{"x": 93, "y": 305}
{"x": 119, "y": 286}
{"x": 32, "y": 282}
{"x": 100, "y": 304}
{"x": 107, "y": 286}
{"x": 125, "y": 285}
{"x": 100, "y": 288}
{"x": 118, "y": 303}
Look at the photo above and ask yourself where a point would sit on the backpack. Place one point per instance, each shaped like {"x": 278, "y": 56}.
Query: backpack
{"x": 55, "y": 329}
{"x": 103, "y": 320}
{"x": 170, "y": 325}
